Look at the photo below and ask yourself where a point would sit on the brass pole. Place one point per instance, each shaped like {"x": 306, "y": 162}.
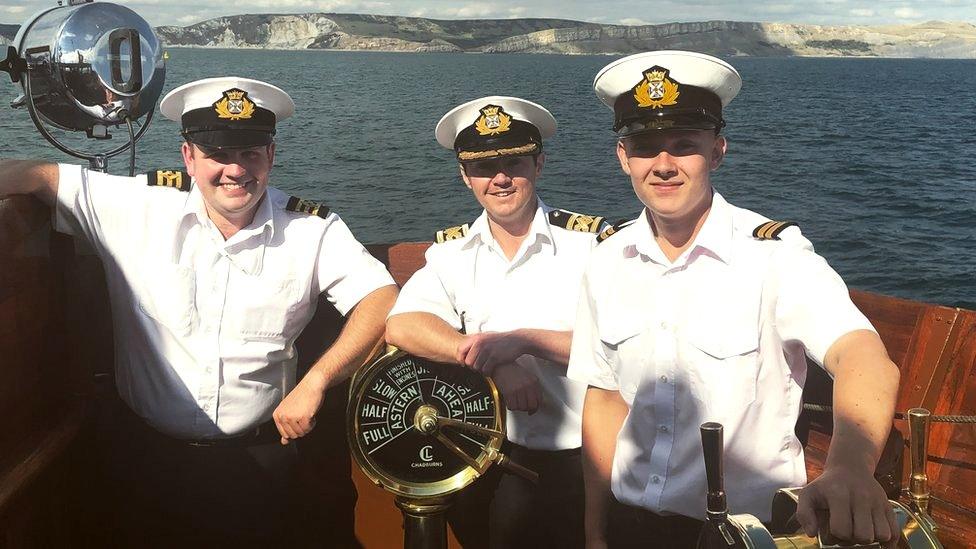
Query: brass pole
{"x": 918, "y": 423}
{"x": 424, "y": 525}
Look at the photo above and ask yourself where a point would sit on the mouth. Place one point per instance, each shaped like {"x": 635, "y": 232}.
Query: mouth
{"x": 235, "y": 186}
{"x": 666, "y": 186}
{"x": 502, "y": 194}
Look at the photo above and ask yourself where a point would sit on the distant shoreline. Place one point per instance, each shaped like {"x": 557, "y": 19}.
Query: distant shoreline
{"x": 358, "y": 32}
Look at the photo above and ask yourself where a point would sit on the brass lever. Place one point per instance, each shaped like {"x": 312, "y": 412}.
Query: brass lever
{"x": 919, "y": 420}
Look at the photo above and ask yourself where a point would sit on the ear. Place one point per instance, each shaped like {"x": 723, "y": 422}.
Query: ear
{"x": 271, "y": 155}
{"x": 622, "y": 156}
{"x": 718, "y": 152}
{"x": 186, "y": 150}
{"x": 540, "y": 163}
{"x": 464, "y": 176}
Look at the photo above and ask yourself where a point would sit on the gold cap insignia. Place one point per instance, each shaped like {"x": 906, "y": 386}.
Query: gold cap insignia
{"x": 656, "y": 90}
{"x": 235, "y": 105}
{"x": 493, "y": 121}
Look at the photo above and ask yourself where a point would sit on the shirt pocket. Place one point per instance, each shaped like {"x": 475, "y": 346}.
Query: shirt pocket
{"x": 168, "y": 297}
{"x": 266, "y": 310}
{"x": 627, "y": 351}
{"x": 723, "y": 364}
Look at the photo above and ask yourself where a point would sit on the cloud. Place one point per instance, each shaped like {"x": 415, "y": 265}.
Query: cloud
{"x": 475, "y": 10}
{"x": 633, "y": 21}
{"x": 862, "y": 12}
{"x": 13, "y": 9}
{"x": 908, "y": 13}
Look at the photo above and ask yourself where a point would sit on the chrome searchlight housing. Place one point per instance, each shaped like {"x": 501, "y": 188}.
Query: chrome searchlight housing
{"x": 87, "y": 66}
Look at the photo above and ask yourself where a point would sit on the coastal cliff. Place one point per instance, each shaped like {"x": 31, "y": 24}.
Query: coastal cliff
{"x": 561, "y": 36}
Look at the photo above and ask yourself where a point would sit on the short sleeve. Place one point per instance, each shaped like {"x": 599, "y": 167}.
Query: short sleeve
{"x": 589, "y": 361}
{"x": 91, "y": 203}
{"x": 426, "y": 292}
{"x": 813, "y": 305}
{"x": 346, "y": 271}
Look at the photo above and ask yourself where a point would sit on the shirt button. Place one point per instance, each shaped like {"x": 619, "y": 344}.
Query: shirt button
{"x": 656, "y": 479}
{"x": 663, "y": 428}
{"x": 664, "y": 325}
{"x": 664, "y": 379}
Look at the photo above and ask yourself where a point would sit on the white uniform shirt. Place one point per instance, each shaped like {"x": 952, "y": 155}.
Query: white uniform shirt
{"x": 469, "y": 282}
{"x": 719, "y": 335}
{"x": 204, "y": 328}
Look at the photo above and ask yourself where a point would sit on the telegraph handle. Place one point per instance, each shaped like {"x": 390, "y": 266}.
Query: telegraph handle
{"x": 717, "y": 533}
{"x": 712, "y": 449}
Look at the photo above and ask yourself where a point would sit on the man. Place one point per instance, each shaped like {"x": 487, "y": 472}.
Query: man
{"x": 212, "y": 275}
{"x": 696, "y": 312}
{"x": 498, "y": 295}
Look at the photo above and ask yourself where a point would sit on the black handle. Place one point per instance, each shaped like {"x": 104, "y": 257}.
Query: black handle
{"x": 116, "y": 39}
{"x": 13, "y": 64}
{"x": 712, "y": 447}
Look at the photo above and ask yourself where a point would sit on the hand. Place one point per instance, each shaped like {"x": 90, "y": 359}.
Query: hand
{"x": 858, "y": 507}
{"x": 486, "y": 351}
{"x": 519, "y": 387}
{"x": 295, "y": 416}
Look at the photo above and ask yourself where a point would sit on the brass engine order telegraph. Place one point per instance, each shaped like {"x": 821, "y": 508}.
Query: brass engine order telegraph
{"x": 725, "y": 531}
{"x": 423, "y": 431}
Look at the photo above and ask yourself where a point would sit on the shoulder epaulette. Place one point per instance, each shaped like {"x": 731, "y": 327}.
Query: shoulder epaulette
{"x": 609, "y": 231}
{"x": 451, "y": 233}
{"x": 169, "y": 178}
{"x": 770, "y": 230}
{"x": 575, "y": 221}
{"x": 301, "y": 205}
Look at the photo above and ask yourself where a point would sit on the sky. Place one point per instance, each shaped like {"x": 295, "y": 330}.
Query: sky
{"x": 621, "y": 12}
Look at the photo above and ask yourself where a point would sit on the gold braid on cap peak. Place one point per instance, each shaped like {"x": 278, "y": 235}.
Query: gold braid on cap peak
{"x": 524, "y": 149}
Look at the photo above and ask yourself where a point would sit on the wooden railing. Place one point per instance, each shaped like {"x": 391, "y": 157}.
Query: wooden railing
{"x": 55, "y": 339}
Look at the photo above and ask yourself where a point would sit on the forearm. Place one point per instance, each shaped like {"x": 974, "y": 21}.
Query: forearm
{"x": 425, "y": 335}
{"x": 604, "y": 412}
{"x": 865, "y": 390}
{"x": 29, "y": 177}
{"x": 551, "y": 345}
{"x": 360, "y": 338}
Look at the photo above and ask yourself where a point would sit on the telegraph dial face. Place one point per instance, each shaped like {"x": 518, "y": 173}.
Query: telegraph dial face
{"x": 390, "y": 399}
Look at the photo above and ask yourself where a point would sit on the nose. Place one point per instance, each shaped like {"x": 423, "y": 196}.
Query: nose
{"x": 234, "y": 170}
{"x": 501, "y": 179}
{"x": 664, "y": 166}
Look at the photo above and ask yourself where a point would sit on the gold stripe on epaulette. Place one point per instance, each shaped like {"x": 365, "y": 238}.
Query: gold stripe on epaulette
{"x": 451, "y": 233}
{"x": 770, "y": 230}
{"x": 169, "y": 178}
{"x": 575, "y": 221}
{"x": 609, "y": 231}
{"x": 301, "y": 205}
{"x": 584, "y": 223}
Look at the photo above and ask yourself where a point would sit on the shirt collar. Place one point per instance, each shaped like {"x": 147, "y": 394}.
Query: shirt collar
{"x": 714, "y": 238}
{"x": 263, "y": 216}
{"x": 241, "y": 250}
{"x": 539, "y": 230}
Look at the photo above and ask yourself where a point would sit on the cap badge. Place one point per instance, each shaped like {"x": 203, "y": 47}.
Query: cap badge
{"x": 656, "y": 90}
{"x": 235, "y": 105}
{"x": 493, "y": 121}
